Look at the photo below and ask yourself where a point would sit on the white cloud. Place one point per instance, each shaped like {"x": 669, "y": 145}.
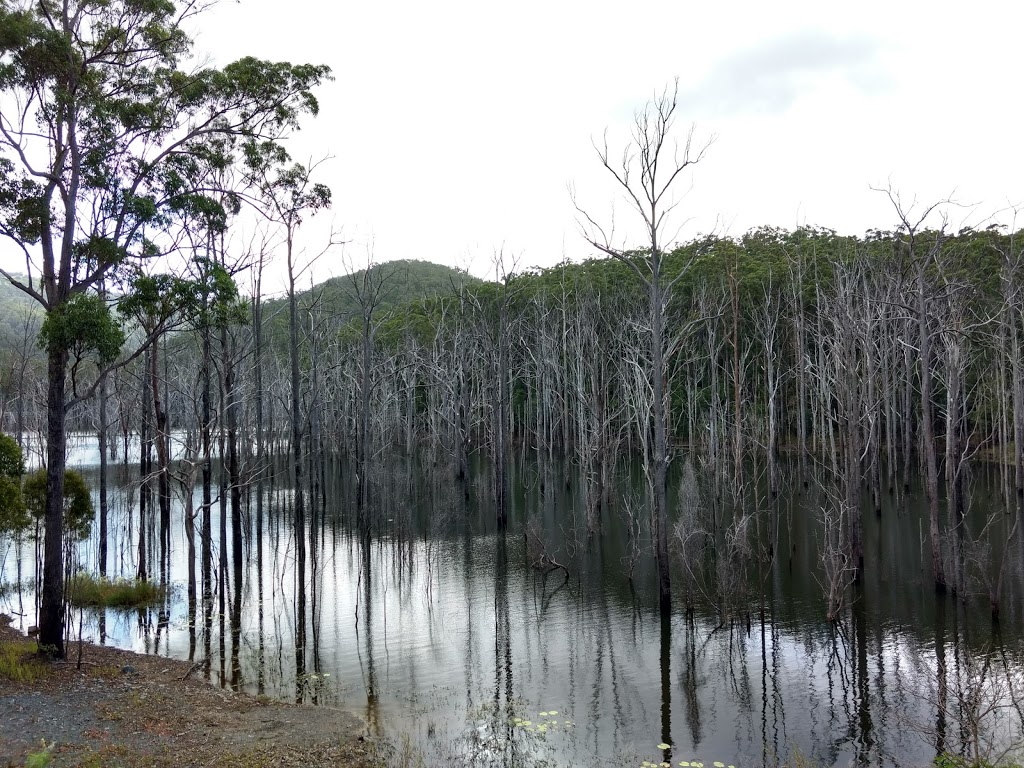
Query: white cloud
{"x": 770, "y": 76}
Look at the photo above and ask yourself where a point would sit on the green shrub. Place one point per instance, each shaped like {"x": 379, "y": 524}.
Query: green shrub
{"x": 13, "y": 515}
{"x": 78, "y": 509}
{"x": 42, "y": 758}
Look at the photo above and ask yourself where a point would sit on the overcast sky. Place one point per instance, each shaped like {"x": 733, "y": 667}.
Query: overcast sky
{"x": 455, "y": 128}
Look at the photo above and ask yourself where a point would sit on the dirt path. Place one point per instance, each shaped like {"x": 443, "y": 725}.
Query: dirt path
{"x": 124, "y": 709}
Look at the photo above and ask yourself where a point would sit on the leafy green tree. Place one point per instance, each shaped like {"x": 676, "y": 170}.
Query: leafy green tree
{"x": 114, "y": 140}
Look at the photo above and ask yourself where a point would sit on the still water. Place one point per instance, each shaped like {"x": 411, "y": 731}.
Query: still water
{"x": 439, "y": 631}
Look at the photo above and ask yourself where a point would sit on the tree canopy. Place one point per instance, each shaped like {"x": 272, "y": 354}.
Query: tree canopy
{"x": 112, "y": 142}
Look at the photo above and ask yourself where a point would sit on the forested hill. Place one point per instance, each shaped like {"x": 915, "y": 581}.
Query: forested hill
{"x": 14, "y": 306}
{"x": 400, "y": 282}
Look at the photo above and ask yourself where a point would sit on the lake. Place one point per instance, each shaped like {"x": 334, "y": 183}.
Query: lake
{"x": 447, "y": 638}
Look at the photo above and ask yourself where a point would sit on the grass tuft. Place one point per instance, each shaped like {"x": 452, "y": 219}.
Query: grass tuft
{"x": 20, "y": 662}
{"x": 87, "y": 591}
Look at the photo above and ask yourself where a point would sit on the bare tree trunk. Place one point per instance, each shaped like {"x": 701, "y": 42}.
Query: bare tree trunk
{"x": 659, "y": 375}
{"x": 657, "y": 172}
{"x": 801, "y": 368}
{"x": 160, "y": 437}
{"x": 233, "y": 469}
{"x": 51, "y": 608}
{"x": 299, "y": 509}
{"x": 1017, "y": 384}
{"x": 501, "y": 436}
{"x": 908, "y": 402}
{"x": 145, "y": 467}
{"x": 104, "y": 505}
{"x": 928, "y": 434}
{"x": 261, "y": 450}
{"x": 737, "y": 445}
{"x": 206, "y": 532}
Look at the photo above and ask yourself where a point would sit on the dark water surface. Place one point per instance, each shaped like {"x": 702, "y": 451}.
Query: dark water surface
{"x": 437, "y": 629}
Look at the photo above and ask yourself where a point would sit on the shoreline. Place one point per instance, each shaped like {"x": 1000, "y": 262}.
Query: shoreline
{"x": 124, "y": 709}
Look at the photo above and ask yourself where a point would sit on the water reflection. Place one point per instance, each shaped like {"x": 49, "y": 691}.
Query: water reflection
{"x": 429, "y": 622}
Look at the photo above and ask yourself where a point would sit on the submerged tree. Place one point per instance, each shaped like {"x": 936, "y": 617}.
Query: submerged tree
{"x": 288, "y": 195}
{"x": 660, "y": 163}
{"x": 110, "y": 138}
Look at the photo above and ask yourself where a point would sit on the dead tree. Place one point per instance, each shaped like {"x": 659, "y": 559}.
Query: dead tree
{"x": 651, "y": 167}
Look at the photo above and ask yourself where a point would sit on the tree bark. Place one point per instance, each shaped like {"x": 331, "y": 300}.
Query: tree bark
{"x": 51, "y": 608}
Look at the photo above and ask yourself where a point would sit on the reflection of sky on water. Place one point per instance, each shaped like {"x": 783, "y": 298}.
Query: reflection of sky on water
{"x": 446, "y": 642}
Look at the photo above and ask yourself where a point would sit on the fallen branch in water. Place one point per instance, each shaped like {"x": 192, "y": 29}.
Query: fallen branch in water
{"x": 539, "y": 551}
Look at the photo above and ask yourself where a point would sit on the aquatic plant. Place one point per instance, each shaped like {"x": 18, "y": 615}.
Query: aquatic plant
{"x": 88, "y": 591}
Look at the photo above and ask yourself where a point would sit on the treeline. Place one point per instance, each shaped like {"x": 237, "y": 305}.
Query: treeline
{"x": 870, "y": 361}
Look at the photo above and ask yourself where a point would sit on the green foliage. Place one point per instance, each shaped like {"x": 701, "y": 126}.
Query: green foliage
{"x": 947, "y": 760}
{"x": 11, "y": 462}
{"x": 152, "y": 299}
{"x": 82, "y": 325}
{"x": 42, "y": 758}
{"x": 115, "y": 79}
{"x": 217, "y": 301}
{"x": 87, "y": 591}
{"x": 289, "y": 191}
{"x": 78, "y": 507}
{"x": 22, "y": 204}
{"x": 13, "y": 514}
{"x": 20, "y": 662}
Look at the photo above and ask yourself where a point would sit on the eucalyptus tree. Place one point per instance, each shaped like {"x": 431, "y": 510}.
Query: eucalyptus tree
{"x": 111, "y": 138}
{"x": 660, "y": 165}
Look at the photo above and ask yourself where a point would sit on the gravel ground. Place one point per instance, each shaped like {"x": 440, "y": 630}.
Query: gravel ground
{"x": 125, "y": 709}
